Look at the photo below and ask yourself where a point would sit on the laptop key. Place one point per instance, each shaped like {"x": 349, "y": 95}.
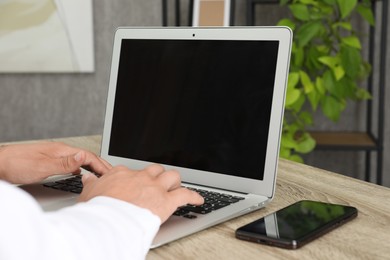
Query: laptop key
{"x": 189, "y": 216}
{"x": 228, "y": 200}
{"x": 49, "y": 184}
{"x": 181, "y": 212}
{"x": 72, "y": 184}
{"x": 197, "y": 209}
{"x": 76, "y": 190}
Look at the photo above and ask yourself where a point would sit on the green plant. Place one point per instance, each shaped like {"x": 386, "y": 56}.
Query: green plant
{"x": 326, "y": 67}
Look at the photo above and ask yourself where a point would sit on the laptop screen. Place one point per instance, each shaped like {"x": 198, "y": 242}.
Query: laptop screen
{"x": 199, "y": 104}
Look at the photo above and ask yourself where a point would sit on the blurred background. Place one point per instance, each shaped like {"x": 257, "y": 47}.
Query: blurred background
{"x": 41, "y": 105}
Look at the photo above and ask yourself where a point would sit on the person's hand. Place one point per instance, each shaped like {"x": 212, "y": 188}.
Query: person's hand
{"x": 29, "y": 163}
{"x": 152, "y": 188}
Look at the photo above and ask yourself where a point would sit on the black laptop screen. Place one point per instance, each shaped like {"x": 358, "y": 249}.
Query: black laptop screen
{"x": 200, "y": 104}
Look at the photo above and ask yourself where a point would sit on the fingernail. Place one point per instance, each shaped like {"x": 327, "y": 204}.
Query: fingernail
{"x": 77, "y": 157}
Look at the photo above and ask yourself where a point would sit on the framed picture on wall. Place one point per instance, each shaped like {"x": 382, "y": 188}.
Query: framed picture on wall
{"x": 211, "y": 13}
{"x": 46, "y": 36}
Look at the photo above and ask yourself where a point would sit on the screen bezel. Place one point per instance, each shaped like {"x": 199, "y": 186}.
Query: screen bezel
{"x": 263, "y": 187}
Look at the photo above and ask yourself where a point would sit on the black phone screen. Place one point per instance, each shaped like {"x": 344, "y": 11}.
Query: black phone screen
{"x": 297, "y": 224}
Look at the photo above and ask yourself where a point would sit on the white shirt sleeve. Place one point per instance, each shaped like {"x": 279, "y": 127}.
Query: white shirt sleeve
{"x": 102, "y": 228}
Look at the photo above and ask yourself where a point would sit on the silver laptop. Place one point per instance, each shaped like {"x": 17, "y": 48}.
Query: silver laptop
{"x": 207, "y": 102}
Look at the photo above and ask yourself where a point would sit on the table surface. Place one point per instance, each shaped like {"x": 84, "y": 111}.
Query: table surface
{"x": 366, "y": 237}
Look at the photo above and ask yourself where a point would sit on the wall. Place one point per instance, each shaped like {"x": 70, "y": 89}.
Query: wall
{"x": 35, "y": 106}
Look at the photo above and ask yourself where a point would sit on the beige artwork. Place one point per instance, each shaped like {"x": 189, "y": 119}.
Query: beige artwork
{"x": 46, "y": 36}
{"x": 211, "y": 13}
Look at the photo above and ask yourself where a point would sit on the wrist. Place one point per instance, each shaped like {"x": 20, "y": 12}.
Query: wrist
{"x": 2, "y": 156}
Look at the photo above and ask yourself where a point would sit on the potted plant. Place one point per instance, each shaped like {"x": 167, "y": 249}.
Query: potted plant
{"x": 326, "y": 66}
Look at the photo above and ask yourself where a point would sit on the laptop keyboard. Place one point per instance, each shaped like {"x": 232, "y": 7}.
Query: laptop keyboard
{"x": 212, "y": 200}
{"x": 72, "y": 184}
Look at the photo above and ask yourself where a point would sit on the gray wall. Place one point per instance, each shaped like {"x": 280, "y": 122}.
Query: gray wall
{"x": 35, "y": 106}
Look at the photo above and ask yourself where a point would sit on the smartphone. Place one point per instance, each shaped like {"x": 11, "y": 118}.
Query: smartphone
{"x": 297, "y": 224}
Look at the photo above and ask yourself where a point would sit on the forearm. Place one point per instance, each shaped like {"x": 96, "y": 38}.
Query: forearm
{"x": 102, "y": 228}
{"x": 111, "y": 228}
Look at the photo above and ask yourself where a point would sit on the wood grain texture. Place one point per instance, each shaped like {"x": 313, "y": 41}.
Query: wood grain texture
{"x": 366, "y": 237}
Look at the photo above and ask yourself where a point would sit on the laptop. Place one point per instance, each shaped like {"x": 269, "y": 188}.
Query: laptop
{"x": 207, "y": 102}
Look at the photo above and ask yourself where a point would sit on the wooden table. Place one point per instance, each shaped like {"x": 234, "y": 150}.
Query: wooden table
{"x": 366, "y": 237}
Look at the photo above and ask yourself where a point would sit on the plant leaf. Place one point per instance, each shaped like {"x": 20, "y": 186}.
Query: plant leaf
{"x": 306, "y": 144}
{"x": 323, "y": 49}
{"x": 299, "y": 57}
{"x": 352, "y": 41}
{"x": 350, "y": 60}
{"x": 288, "y": 141}
{"x": 346, "y": 7}
{"x": 347, "y": 26}
{"x": 329, "y": 81}
{"x": 297, "y": 106}
{"x": 345, "y": 88}
{"x": 312, "y": 55}
{"x": 292, "y": 96}
{"x": 334, "y": 64}
{"x": 319, "y": 91}
{"x": 287, "y": 22}
{"x": 339, "y": 72}
{"x": 306, "y": 117}
{"x": 320, "y": 85}
{"x": 310, "y": 2}
{"x": 295, "y": 158}
{"x": 284, "y": 152}
{"x": 331, "y": 108}
{"x": 365, "y": 70}
{"x": 366, "y": 13}
{"x": 329, "y": 2}
{"x": 314, "y": 99}
{"x": 306, "y": 82}
{"x": 300, "y": 11}
{"x": 293, "y": 79}
{"x": 330, "y": 61}
{"x": 307, "y": 32}
{"x": 363, "y": 94}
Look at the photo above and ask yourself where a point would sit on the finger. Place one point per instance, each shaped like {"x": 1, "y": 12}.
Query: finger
{"x": 170, "y": 180}
{"x": 66, "y": 164}
{"x": 154, "y": 169}
{"x": 121, "y": 169}
{"x": 94, "y": 163}
{"x": 107, "y": 164}
{"x": 88, "y": 178}
{"x": 76, "y": 172}
{"x": 184, "y": 196}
